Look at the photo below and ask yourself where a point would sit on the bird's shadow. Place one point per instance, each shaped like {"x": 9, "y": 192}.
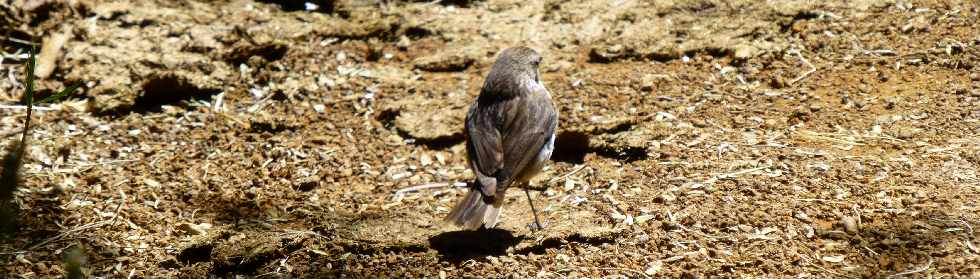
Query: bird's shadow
{"x": 459, "y": 246}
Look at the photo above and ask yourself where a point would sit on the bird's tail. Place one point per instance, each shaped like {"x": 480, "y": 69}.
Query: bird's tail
{"x": 473, "y": 210}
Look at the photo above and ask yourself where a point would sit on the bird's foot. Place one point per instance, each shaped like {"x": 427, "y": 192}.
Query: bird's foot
{"x": 535, "y": 226}
{"x": 536, "y": 188}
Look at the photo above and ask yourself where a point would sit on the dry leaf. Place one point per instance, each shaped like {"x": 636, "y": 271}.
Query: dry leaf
{"x": 833, "y": 259}
{"x": 643, "y": 218}
{"x": 654, "y": 268}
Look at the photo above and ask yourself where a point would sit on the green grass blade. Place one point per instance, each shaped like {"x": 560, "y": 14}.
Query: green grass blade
{"x": 12, "y": 161}
{"x": 31, "y": 64}
{"x": 60, "y": 95}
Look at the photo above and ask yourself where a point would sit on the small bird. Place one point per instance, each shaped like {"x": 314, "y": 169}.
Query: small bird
{"x": 510, "y": 134}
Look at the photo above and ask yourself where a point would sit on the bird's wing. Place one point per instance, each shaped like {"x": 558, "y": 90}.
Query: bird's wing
{"x": 484, "y": 145}
{"x": 526, "y": 130}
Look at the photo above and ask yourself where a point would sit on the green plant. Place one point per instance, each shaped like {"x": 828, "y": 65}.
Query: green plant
{"x": 13, "y": 160}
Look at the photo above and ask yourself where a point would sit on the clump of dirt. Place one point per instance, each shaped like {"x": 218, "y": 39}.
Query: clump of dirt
{"x": 696, "y": 138}
{"x": 431, "y": 120}
{"x": 448, "y": 60}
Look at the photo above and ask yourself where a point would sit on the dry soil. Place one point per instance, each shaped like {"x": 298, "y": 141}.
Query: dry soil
{"x": 698, "y": 139}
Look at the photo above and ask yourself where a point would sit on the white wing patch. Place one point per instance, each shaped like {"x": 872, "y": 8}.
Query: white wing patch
{"x": 546, "y": 150}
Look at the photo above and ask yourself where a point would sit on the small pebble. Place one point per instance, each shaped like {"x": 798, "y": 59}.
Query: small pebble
{"x": 802, "y": 216}
{"x": 194, "y": 229}
{"x": 403, "y": 42}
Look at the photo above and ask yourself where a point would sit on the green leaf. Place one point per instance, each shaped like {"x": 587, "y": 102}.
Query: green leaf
{"x": 60, "y": 95}
{"x": 29, "y": 94}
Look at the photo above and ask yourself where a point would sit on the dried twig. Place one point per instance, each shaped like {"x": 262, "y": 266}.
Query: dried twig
{"x": 624, "y": 269}
{"x": 839, "y": 275}
{"x": 808, "y": 72}
{"x": 885, "y": 138}
{"x": 24, "y": 42}
{"x": 968, "y": 227}
{"x": 824, "y": 136}
{"x": 877, "y": 52}
{"x": 122, "y": 201}
{"x": 564, "y": 176}
{"x": 734, "y": 174}
{"x": 912, "y": 271}
{"x": 19, "y": 107}
{"x": 219, "y": 103}
{"x": 741, "y": 172}
{"x": 604, "y": 268}
{"x": 415, "y": 188}
{"x": 820, "y": 200}
{"x": 69, "y": 232}
{"x": 260, "y": 103}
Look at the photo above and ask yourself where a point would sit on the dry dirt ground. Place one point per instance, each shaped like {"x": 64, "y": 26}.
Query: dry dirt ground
{"x": 698, "y": 139}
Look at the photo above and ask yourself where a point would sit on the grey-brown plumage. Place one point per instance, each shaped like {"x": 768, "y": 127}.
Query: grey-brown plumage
{"x": 510, "y": 134}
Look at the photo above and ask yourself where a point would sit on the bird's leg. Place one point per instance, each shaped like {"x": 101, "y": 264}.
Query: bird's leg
{"x": 537, "y": 224}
